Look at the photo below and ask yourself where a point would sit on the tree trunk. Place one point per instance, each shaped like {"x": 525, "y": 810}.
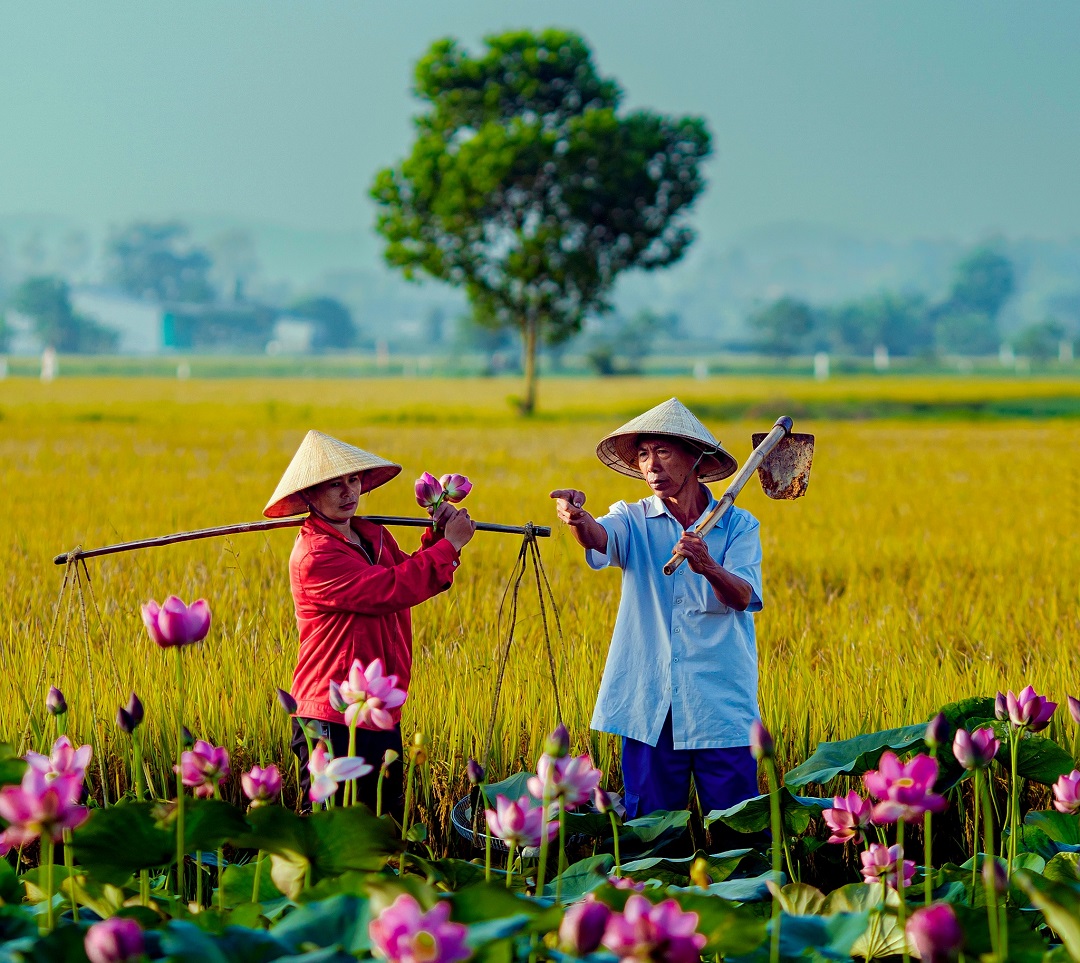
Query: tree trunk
{"x": 531, "y": 331}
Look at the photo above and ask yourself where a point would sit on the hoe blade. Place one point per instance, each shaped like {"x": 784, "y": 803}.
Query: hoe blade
{"x": 785, "y": 471}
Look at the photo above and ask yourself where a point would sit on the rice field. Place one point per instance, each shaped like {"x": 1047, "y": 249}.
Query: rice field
{"x": 932, "y": 559}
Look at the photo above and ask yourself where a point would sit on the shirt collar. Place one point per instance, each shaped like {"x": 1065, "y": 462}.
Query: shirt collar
{"x": 655, "y": 507}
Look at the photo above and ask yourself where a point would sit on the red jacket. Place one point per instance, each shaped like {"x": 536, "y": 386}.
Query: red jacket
{"x": 348, "y": 608}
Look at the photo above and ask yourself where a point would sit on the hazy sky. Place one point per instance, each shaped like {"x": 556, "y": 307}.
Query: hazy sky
{"x": 921, "y": 118}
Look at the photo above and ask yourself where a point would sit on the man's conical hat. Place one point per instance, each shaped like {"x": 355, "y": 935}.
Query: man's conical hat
{"x": 320, "y": 458}
{"x": 672, "y": 419}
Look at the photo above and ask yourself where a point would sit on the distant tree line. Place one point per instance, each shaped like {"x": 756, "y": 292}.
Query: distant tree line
{"x": 965, "y": 322}
{"x": 157, "y": 262}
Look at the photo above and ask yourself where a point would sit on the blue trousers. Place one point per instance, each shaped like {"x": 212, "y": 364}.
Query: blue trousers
{"x": 658, "y": 777}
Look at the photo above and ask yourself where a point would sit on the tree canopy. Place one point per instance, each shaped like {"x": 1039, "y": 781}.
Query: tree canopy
{"x": 527, "y": 188}
{"x": 152, "y": 260}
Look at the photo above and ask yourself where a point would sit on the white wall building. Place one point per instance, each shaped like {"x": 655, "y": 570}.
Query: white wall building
{"x": 140, "y": 324}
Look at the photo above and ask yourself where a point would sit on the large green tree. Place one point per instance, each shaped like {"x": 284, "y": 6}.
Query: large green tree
{"x": 530, "y": 190}
{"x": 47, "y": 300}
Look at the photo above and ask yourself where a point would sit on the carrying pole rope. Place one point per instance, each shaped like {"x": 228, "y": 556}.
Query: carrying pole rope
{"x": 529, "y": 550}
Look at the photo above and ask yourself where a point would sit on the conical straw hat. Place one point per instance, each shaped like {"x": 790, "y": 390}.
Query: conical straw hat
{"x": 320, "y": 458}
{"x": 673, "y": 419}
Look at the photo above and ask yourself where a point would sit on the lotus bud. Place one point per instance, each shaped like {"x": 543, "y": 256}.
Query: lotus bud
{"x": 124, "y": 721}
{"x": 54, "y": 702}
{"x": 456, "y": 487}
{"x": 115, "y": 940}
{"x": 288, "y": 703}
{"x": 1001, "y": 706}
{"x": 583, "y": 926}
{"x": 475, "y": 772}
{"x": 1074, "y": 709}
{"x": 601, "y": 800}
{"x": 761, "y": 741}
{"x": 429, "y": 493}
{"x": 135, "y": 710}
{"x": 389, "y": 758}
{"x": 937, "y": 732}
{"x": 337, "y": 700}
{"x": 936, "y": 933}
{"x": 557, "y": 744}
{"x": 187, "y": 740}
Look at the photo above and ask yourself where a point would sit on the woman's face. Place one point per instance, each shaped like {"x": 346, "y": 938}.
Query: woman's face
{"x": 337, "y": 499}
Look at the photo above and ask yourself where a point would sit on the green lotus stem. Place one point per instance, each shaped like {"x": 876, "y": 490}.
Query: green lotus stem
{"x": 378, "y": 790}
{"x": 348, "y": 798}
{"x": 47, "y": 853}
{"x": 777, "y": 833}
{"x": 615, "y": 841}
{"x": 541, "y": 869}
{"x": 258, "y": 874}
{"x": 1014, "y": 795}
{"x": 562, "y": 852}
{"x": 996, "y": 937}
{"x": 928, "y": 869}
{"x": 510, "y": 865}
{"x": 220, "y": 861}
{"x": 408, "y": 812}
{"x": 481, "y": 800}
{"x": 69, "y": 865}
{"x": 179, "y": 777}
{"x": 975, "y": 836}
{"x": 198, "y": 878}
{"x": 901, "y": 912}
{"x": 140, "y": 795}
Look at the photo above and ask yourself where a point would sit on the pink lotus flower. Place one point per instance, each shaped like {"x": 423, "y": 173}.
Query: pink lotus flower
{"x": 518, "y": 822}
{"x": 202, "y": 767}
{"x": 456, "y": 487}
{"x": 261, "y": 785}
{"x": 1001, "y": 707}
{"x": 174, "y": 623}
{"x": 583, "y": 926}
{"x": 327, "y": 773}
{"x": 1029, "y": 709}
{"x": 625, "y": 882}
{"x": 573, "y": 779}
{"x": 848, "y": 817}
{"x": 937, "y": 731}
{"x": 1067, "y": 793}
{"x": 367, "y": 696}
{"x": 905, "y": 789}
{"x": 880, "y": 860}
{"x": 403, "y": 933}
{"x": 115, "y": 940}
{"x": 660, "y": 934}
{"x": 41, "y": 805}
{"x": 429, "y": 493}
{"x": 936, "y": 933}
{"x": 64, "y": 760}
{"x": 975, "y": 750}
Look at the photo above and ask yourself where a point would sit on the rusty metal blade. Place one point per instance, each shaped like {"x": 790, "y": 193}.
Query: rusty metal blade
{"x": 785, "y": 471}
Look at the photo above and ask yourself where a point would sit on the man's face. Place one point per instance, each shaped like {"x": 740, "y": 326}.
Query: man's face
{"x": 666, "y": 463}
{"x": 337, "y": 499}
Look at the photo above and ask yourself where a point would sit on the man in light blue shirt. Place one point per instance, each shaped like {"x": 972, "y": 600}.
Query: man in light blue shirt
{"x": 680, "y": 682}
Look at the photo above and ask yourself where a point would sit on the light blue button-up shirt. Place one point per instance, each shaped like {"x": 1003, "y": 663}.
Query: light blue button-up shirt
{"x": 675, "y": 643}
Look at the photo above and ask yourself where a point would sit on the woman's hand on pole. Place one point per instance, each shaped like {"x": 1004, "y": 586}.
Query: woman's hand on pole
{"x": 458, "y": 528}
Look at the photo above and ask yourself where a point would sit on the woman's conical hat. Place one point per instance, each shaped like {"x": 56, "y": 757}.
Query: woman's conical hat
{"x": 320, "y": 458}
{"x": 673, "y": 419}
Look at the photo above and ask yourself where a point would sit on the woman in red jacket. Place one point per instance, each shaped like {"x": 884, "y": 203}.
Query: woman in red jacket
{"x": 353, "y": 588}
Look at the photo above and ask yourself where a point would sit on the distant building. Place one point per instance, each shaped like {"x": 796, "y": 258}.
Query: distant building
{"x": 291, "y": 335}
{"x": 140, "y": 324}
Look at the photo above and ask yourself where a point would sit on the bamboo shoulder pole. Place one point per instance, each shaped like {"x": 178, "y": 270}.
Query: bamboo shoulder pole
{"x": 541, "y": 531}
